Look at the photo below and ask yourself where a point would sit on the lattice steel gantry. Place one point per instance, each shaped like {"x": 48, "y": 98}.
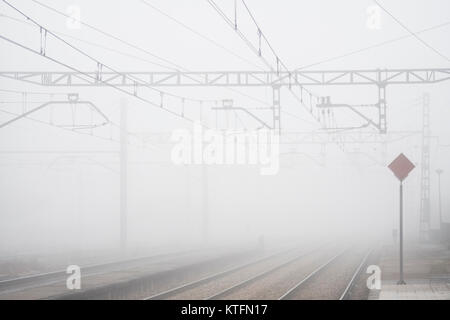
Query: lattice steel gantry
{"x": 425, "y": 169}
{"x": 381, "y": 78}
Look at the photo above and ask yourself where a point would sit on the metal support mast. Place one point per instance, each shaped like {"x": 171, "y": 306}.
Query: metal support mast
{"x": 123, "y": 174}
{"x": 205, "y": 204}
{"x": 382, "y": 108}
{"x": 276, "y": 110}
{"x": 425, "y": 171}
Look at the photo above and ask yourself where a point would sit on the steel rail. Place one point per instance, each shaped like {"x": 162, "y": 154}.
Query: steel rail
{"x": 292, "y": 290}
{"x": 345, "y": 294}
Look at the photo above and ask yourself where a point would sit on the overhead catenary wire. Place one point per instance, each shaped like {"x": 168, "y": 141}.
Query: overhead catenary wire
{"x": 376, "y": 45}
{"x": 94, "y": 44}
{"x": 176, "y": 67}
{"x": 173, "y": 67}
{"x": 112, "y": 36}
{"x": 99, "y": 63}
{"x": 93, "y": 78}
{"x": 262, "y": 34}
{"x": 136, "y": 80}
{"x": 58, "y": 93}
{"x": 412, "y": 32}
{"x": 239, "y": 33}
{"x": 208, "y": 39}
{"x": 279, "y": 64}
{"x": 204, "y": 37}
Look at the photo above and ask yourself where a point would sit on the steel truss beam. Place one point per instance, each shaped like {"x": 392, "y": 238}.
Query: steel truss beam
{"x": 276, "y": 80}
{"x": 380, "y": 77}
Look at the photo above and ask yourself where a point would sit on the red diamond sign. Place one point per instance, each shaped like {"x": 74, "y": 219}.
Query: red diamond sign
{"x": 401, "y": 167}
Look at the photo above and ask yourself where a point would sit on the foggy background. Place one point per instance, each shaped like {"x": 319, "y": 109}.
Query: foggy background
{"x": 61, "y": 190}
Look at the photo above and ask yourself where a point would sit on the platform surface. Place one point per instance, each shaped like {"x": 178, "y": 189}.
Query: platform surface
{"x": 426, "y": 273}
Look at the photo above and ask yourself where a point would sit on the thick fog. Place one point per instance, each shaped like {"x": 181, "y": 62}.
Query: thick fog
{"x": 61, "y": 167}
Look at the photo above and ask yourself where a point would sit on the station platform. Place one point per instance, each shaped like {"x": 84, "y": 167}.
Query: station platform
{"x": 426, "y": 273}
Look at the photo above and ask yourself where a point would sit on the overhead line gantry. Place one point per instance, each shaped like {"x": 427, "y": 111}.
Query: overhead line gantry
{"x": 381, "y": 78}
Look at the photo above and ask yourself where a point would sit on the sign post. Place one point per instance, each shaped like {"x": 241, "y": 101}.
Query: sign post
{"x": 401, "y": 167}
{"x": 401, "y": 281}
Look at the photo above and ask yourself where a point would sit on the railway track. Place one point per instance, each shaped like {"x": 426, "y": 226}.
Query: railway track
{"x": 330, "y": 280}
{"x": 132, "y": 278}
{"x": 290, "y": 273}
{"x": 351, "y": 284}
{"x": 278, "y": 276}
{"x": 255, "y": 278}
{"x": 221, "y": 283}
